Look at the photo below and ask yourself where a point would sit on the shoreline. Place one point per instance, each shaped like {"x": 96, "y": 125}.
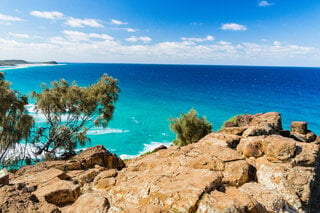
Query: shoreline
{"x": 23, "y": 66}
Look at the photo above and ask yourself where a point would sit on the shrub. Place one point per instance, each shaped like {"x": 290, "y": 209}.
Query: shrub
{"x": 189, "y": 128}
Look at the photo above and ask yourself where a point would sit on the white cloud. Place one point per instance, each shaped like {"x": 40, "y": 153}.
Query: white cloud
{"x": 9, "y": 18}
{"x": 224, "y": 43}
{"x": 233, "y": 27}
{"x": 130, "y": 30}
{"x": 117, "y": 22}
{"x": 93, "y": 47}
{"x": 276, "y": 43}
{"x": 19, "y": 35}
{"x": 52, "y": 15}
{"x": 264, "y": 4}
{"x": 144, "y": 39}
{"x": 207, "y": 38}
{"x": 80, "y": 36}
{"x": 75, "y": 22}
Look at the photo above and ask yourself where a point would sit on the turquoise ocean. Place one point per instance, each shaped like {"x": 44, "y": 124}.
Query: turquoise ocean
{"x": 151, "y": 94}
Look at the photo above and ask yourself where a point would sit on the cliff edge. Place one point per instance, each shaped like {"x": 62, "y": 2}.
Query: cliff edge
{"x": 250, "y": 165}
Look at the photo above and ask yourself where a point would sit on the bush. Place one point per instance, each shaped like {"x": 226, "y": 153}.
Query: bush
{"x": 189, "y": 128}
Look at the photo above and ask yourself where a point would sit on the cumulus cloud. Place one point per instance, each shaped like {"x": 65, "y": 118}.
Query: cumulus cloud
{"x": 4, "y": 17}
{"x": 94, "y": 47}
{"x": 117, "y": 22}
{"x": 130, "y": 30}
{"x": 233, "y": 27}
{"x": 19, "y": 35}
{"x": 52, "y": 15}
{"x": 75, "y": 22}
{"x": 276, "y": 43}
{"x": 144, "y": 39}
{"x": 207, "y": 38}
{"x": 264, "y": 4}
{"x": 80, "y": 36}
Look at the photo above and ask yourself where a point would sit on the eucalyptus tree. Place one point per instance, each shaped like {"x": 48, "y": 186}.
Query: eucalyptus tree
{"x": 15, "y": 123}
{"x": 189, "y": 128}
{"x": 70, "y": 110}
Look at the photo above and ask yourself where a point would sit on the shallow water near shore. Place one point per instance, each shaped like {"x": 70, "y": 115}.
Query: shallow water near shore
{"x": 151, "y": 94}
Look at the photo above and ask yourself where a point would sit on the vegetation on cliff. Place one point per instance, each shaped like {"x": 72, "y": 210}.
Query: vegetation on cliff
{"x": 69, "y": 110}
{"x": 189, "y": 128}
{"x": 15, "y": 124}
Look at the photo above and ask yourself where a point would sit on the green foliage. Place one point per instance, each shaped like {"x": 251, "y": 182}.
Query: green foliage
{"x": 189, "y": 128}
{"x": 70, "y": 110}
{"x": 15, "y": 124}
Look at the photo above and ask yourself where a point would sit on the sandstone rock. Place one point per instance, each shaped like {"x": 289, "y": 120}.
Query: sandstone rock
{"x": 87, "y": 176}
{"x": 233, "y": 130}
{"x": 250, "y": 204}
{"x": 147, "y": 209}
{"x": 311, "y": 136}
{"x": 58, "y": 192}
{"x": 90, "y": 203}
{"x": 299, "y": 127}
{"x": 306, "y": 154}
{"x": 290, "y": 182}
{"x": 231, "y": 140}
{"x": 264, "y": 124}
{"x": 175, "y": 189}
{"x": 4, "y": 177}
{"x": 251, "y": 146}
{"x": 36, "y": 179}
{"x": 236, "y": 173}
{"x": 279, "y": 148}
{"x": 239, "y": 120}
{"x": 98, "y": 155}
{"x": 105, "y": 179}
{"x": 159, "y": 148}
{"x": 269, "y": 199}
{"x": 220, "y": 202}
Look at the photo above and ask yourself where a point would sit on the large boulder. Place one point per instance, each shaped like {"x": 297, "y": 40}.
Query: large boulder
{"x": 98, "y": 155}
{"x": 292, "y": 183}
{"x": 58, "y": 192}
{"x": 90, "y": 203}
{"x": 270, "y": 200}
{"x": 278, "y": 148}
{"x": 220, "y": 202}
{"x": 264, "y": 124}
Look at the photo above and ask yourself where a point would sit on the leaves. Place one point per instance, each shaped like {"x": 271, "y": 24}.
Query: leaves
{"x": 70, "y": 108}
{"x": 15, "y": 124}
{"x": 189, "y": 128}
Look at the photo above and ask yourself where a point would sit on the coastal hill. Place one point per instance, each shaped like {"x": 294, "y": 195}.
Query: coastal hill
{"x": 15, "y": 62}
{"x": 250, "y": 165}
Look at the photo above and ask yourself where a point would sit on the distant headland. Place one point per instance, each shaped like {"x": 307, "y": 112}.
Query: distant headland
{"x": 15, "y": 62}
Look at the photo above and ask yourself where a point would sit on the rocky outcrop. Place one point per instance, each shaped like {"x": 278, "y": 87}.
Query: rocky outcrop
{"x": 250, "y": 165}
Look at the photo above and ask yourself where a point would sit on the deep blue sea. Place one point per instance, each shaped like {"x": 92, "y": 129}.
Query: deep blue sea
{"x": 151, "y": 94}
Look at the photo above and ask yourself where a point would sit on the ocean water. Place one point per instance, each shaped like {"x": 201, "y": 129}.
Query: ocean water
{"x": 151, "y": 94}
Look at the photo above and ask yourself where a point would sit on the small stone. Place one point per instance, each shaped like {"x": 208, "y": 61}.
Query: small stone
{"x": 299, "y": 127}
{"x": 34, "y": 198}
{"x": 21, "y": 186}
{"x": 4, "y": 177}
{"x": 30, "y": 189}
{"x": 310, "y": 137}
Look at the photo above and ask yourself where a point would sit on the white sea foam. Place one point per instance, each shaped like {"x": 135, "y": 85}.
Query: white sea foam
{"x": 102, "y": 131}
{"x": 147, "y": 148}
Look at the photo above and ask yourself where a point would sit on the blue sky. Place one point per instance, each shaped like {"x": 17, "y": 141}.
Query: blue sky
{"x": 247, "y": 32}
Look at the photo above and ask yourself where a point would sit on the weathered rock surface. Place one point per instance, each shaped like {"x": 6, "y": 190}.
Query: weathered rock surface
{"x": 250, "y": 165}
